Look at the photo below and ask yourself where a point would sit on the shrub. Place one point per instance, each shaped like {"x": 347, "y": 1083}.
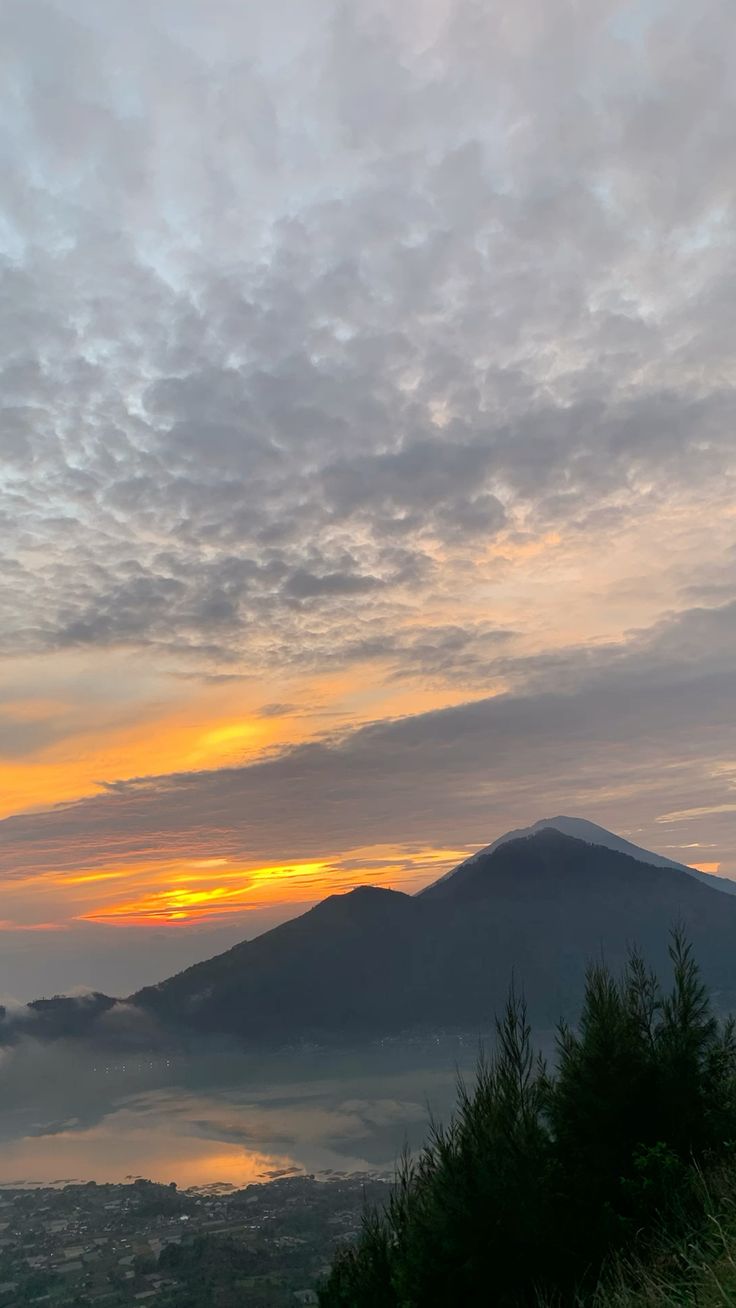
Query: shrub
{"x": 540, "y": 1177}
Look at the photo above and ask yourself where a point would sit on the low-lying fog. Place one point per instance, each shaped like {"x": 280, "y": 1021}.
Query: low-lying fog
{"x": 71, "y": 1112}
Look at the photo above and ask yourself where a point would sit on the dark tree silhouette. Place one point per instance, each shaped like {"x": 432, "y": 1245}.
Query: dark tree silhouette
{"x": 540, "y": 1176}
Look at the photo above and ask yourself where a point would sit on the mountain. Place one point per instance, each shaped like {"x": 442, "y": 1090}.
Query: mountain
{"x": 341, "y": 967}
{"x": 590, "y": 832}
{"x": 54, "y": 1019}
{"x": 537, "y": 907}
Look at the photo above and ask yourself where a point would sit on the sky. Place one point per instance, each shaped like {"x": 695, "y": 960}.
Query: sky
{"x": 368, "y": 453}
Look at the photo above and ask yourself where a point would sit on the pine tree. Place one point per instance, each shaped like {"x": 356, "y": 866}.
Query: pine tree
{"x": 539, "y": 1177}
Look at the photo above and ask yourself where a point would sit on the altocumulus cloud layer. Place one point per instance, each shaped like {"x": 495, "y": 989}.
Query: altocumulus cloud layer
{"x": 393, "y": 338}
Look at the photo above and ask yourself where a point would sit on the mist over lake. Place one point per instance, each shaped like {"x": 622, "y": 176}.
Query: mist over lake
{"x": 73, "y": 1112}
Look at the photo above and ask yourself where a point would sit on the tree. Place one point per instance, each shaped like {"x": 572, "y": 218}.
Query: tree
{"x": 539, "y": 1177}
{"x": 475, "y": 1196}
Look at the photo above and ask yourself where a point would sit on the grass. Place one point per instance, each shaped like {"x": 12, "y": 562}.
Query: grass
{"x": 698, "y": 1269}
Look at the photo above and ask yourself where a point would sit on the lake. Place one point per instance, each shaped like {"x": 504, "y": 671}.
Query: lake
{"x": 71, "y": 1113}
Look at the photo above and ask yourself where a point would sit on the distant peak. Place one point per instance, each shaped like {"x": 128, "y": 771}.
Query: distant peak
{"x": 361, "y": 892}
{"x": 579, "y": 828}
{"x": 361, "y": 899}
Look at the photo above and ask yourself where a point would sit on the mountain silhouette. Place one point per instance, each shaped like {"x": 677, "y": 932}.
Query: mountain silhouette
{"x": 592, "y": 834}
{"x": 537, "y": 907}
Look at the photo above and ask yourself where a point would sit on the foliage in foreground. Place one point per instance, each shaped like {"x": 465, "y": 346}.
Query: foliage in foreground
{"x": 697, "y": 1266}
{"x": 541, "y": 1179}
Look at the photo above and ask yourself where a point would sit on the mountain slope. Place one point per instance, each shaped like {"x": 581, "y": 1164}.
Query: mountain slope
{"x": 537, "y": 907}
{"x": 582, "y": 829}
{"x": 341, "y": 967}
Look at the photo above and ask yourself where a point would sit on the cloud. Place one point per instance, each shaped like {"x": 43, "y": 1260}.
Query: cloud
{"x": 14, "y": 1011}
{"x": 472, "y": 303}
{"x": 638, "y": 729}
{"x": 82, "y": 994}
{"x": 305, "y": 585}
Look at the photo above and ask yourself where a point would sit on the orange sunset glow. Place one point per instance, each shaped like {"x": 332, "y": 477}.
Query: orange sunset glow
{"x": 208, "y": 728}
{"x": 107, "y": 1153}
{"x": 213, "y": 890}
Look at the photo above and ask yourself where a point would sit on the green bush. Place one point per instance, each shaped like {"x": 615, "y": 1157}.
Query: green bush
{"x": 540, "y": 1177}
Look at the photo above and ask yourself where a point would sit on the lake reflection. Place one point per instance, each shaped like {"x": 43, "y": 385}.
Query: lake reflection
{"x": 68, "y": 1113}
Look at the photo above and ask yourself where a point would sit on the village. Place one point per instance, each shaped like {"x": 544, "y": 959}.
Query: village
{"x": 143, "y": 1243}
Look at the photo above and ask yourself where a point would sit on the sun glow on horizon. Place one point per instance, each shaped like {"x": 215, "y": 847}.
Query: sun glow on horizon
{"x": 189, "y": 897}
{"x": 182, "y": 902}
{"x": 217, "y": 890}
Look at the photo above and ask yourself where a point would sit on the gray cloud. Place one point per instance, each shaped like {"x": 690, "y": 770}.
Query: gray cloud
{"x": 305, "y": 585}
{"x": 629, "y": 738}
{"x": 270, "y": 302}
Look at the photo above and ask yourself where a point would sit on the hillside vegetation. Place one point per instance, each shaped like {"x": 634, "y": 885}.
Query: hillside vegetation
{"x": 595, "y": 1183}
{"x": 696, "y": 1265}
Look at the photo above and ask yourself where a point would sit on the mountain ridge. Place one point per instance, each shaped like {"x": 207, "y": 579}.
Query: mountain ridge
{"x": 592, "y": 833}
{"x": 539, "y": 906}
{"x": 362, "y": 964}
